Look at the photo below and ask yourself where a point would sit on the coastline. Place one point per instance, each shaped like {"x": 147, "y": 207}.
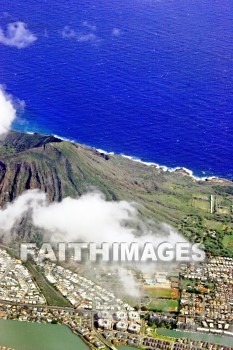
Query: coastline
{"x": 164, "y": 168}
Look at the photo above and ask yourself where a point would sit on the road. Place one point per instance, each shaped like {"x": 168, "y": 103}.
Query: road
{"x": 6, "y": 302}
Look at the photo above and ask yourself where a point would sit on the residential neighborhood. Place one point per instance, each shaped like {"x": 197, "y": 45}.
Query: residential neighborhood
{"x": 80, "y": 291}
{"x": 103, "y": 320}
{"x": 16, "y": 283}
{"x": 206, "y": 303}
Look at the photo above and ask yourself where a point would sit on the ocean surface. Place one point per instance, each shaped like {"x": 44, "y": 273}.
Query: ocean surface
{"x": 147, "y": 78}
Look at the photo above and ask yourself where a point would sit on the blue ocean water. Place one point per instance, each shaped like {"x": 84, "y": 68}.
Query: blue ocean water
{"x": 148, "y": 78}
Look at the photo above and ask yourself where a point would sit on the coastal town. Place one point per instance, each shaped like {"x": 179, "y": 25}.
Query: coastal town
{"x": 206, "y": 303}
{"x": 80, "y": 291}
{"x": 103, "y": 320}
{"x": 16, "y": 283}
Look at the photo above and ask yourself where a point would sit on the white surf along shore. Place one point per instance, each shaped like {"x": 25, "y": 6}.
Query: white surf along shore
{"x": 138, "y": 160}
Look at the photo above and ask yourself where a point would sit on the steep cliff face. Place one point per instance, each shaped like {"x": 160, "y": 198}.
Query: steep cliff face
{"x": 62, "y": 169}
{"x": 20, "y": 171}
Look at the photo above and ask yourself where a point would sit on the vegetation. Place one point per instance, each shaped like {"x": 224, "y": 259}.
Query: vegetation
{"x": 161, "y": 293}
{"x": 62, "y": 169}
{"x": 228, "y": 241}
{"x": 216, "y": 241}
{"x": 163, "y": 305}
{"x": 154, "y": 334}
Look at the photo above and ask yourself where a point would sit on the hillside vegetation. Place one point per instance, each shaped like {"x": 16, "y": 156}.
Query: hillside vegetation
{"x": 62, "y": 169}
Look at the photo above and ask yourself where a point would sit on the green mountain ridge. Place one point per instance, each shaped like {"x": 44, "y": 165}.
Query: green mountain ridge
{"x": 61, "y": 168}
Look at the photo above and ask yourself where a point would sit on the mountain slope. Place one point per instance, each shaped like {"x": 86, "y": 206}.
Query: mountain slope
{"x": 62, "y": 169}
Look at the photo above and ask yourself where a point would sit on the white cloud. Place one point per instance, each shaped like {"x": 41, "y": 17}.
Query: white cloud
{"x": 80, "y": 36}
{"x": 90, "y": 218}
{"x": 87, "y": 33}
{"x": 10, "y": 215}
{"x": 128, "y": 282}
{"x": 90, "y": 37}
{"x": 7, "y": 110}
{"x": 116, "y": 32}
{"x": 68, "y": 33}
{"x": 89, "y": 26}
{"x": 17, "y": 35}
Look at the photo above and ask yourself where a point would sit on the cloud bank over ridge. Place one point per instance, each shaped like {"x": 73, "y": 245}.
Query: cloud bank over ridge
{"x": 89, "y": 218}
